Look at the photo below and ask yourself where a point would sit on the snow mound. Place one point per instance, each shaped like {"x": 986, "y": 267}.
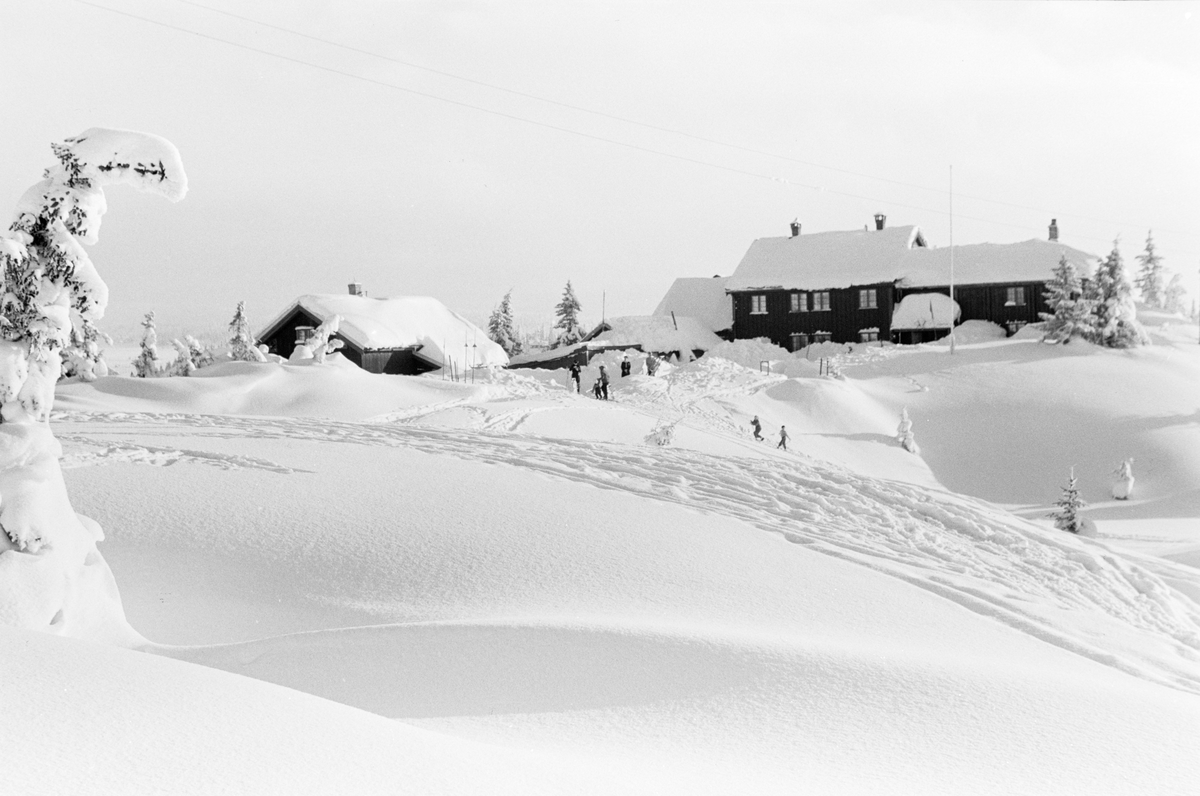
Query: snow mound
{"x": 748, "y": 353}
{"x": 971, "y": 332}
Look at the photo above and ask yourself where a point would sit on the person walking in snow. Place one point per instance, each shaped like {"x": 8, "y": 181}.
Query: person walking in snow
{"x": 603, "y": 383}
{"x": 651, "y": 364}
{"x": 783, "y": 437}
{"x": 596, "y": 390}
{"x": 626, "y": 367}
{"x": 757, "y": 428}
{"x": 574, "y": 370}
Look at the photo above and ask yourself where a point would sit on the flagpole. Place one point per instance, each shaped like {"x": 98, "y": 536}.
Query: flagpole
{"x": 951, "y": 258}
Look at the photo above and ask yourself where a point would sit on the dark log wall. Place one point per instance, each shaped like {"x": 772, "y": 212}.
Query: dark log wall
{"x": 843, "y": 320}
{"x": 988, "y": 302}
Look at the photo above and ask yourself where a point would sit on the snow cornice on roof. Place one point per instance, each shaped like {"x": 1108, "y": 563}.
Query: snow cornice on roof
{"x": 833, "y": 260}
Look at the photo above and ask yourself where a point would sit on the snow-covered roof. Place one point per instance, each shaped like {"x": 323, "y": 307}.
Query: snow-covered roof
{"x": 654, "y": 333}
{"x": 982, "y": 263}
{"x": 828, "y": 260}
{"x": 924, "y": 311}
{"x": 699, "y": 298}
{"x": 825, "y": 260}
{"x": 380, "y": 323}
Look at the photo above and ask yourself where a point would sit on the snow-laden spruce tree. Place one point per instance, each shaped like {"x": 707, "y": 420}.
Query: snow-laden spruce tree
{"x": 1070, "y": 311}
{"x": 1151, "y": 279}
{"x": 241, "y": 339}
{"x": 52, "y": 577}
{"x": 567, "y": 315}
{"x": 1066, "y": 517}
{"x": 1175, "y": 299}
{"x": 500, "y": 327}
{"x": 182, "y": 365}
{"x": 1116, "y": 314}
{"x": 146, "y": 363}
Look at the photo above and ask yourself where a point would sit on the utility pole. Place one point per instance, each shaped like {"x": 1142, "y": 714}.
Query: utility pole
{"x": 951, "y": 258}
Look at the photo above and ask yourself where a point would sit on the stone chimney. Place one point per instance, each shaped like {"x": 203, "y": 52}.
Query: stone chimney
{"x": 1054, "y": 229}
{"x": 795, "y": 229}
{"x": 356, "y": 289}
{"x": 880, "y": 221}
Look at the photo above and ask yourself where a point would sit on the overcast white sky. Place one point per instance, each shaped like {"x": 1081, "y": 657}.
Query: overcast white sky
{"x": 311, "y": 164}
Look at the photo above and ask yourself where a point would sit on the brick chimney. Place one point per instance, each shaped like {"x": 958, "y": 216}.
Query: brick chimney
{"x": 795, "y": 229}
{"x": 356, "y": 289}
{"x": 1054, "y": 229}
{"x": 880, "y": 221}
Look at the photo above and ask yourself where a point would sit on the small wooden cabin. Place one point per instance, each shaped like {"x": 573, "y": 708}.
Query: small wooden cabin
{"x": 406, "y": 335}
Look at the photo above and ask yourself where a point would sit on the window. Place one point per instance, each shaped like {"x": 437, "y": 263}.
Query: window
{"x": 1015, "y": 297}
{"x": 799, "y": 340}
{"x": 868, "y": 335}
{"x": 820, "y": 301}
{"x": 799, "y": 302}
{"x": 758, "y": 304}
{"x": 822, "y": 337}
{"x": 867, "y": 299}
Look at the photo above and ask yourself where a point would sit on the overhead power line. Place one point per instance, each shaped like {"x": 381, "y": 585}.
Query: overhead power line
{"x": 647, "y": 125}
{"x": 546, "y": 125}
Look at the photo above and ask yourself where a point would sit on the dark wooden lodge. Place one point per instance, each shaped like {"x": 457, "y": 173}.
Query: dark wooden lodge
{"x": 845, "y": 286}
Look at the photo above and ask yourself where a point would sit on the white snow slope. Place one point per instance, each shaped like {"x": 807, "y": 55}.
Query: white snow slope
{"x": 508, "y": 590}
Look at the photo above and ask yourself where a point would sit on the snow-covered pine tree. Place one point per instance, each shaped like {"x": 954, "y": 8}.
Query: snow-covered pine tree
{"x": 1070, "y": 312}
{"x": 500, "y": 327}
{"x": 146, "y": 364}
{"x": 1175, "y": 298}
{"x": 1116, "y": 315}
{"x": 50, "y": 287}
{"x": 1067, "y": 518}
{"x": 567, "y": 313}
{"x": 1123, "y": 486}
{"x": 241, "y": 340}
{"x": 1150, "y": 279}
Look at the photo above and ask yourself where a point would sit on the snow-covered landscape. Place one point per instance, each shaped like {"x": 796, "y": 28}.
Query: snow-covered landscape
{"x": 925, "y": 542}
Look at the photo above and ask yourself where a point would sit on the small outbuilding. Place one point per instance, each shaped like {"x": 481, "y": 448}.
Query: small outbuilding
{"x": 404, "y": 335}
{"x": 652, "y": 334}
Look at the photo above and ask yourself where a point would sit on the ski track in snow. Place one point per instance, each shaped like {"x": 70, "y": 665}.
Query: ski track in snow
{"x": 977, "y": 555}
{"x": 159, "y": 457}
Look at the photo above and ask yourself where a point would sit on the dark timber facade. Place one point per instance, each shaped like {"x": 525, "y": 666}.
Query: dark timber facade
{"x": 844, "y": 287}
{"x": 294, "y": 328}
{"x": 795, "y": 318}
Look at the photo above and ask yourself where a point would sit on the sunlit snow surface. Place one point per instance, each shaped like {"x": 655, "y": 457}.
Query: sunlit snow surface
{"x": 542, "y": 602}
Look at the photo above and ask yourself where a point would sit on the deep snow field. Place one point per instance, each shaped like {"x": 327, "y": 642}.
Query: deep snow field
{"x": 353, "y": 583}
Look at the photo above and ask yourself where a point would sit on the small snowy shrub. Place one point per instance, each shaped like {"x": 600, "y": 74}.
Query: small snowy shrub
{"x": 1123, "y": 487}
{"x": 904, "y": 433}
{"x": 200, "y": 355}
{"x": 662, "y": 435}
{"x": 182, "y": 364}
{"x": 1066, "y": 517}
{"x": 322, "y": 342}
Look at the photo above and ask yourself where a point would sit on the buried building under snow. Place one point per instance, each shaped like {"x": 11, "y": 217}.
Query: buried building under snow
{"x": 402, "y": 335}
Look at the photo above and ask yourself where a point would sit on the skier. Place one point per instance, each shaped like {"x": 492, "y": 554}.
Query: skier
{"x": 757, "y": 428}
{"x": 603, "y": 383}
{"x": 626, "y": 367}
{"x": 596, "y": 390}
{"x": 574, "y": 369}
{"x": 783, "y": 437}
